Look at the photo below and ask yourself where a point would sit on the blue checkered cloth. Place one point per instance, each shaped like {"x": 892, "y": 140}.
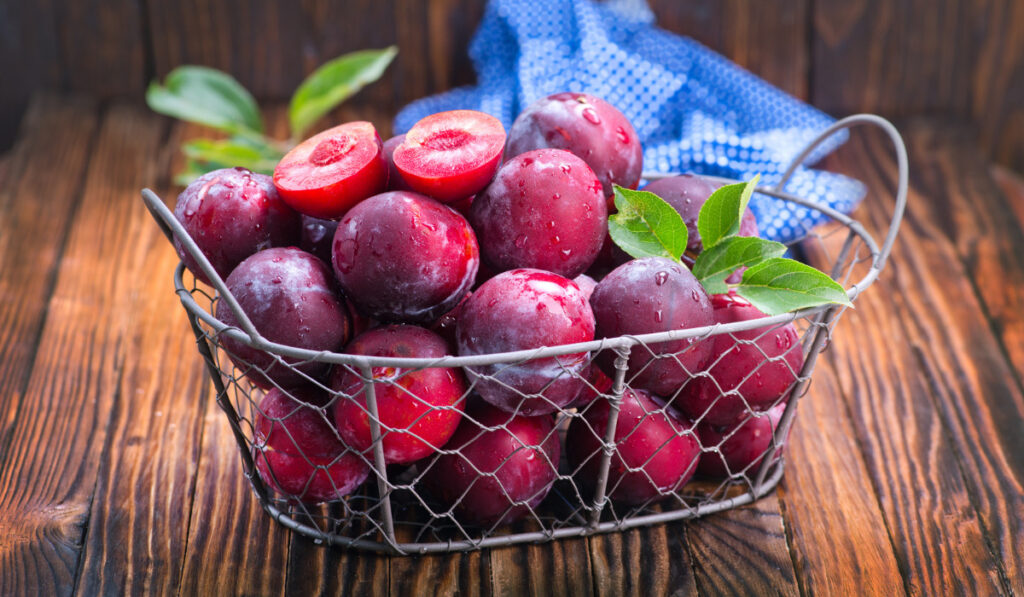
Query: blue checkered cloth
{"x": 694, "y": 110}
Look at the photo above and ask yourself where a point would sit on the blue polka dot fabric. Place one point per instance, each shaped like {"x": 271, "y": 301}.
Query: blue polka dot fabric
{"x": 694, "y": 110}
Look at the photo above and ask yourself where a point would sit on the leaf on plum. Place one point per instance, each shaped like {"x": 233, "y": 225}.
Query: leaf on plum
{"x": 780, "y": 285}
{"x": 720, "y": 215}
{"x": 716, "y": 264}
{"x": 647, "y": 226}
{"x": 206, "y": 96}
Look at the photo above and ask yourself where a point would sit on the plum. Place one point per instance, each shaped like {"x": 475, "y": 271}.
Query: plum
{"x": 451, "y": 155}
{"x": 231, "y": 214}
{"x": 687, "y": 194}
{"x": 586, "y": 284}
{"x": 298, "y": 453}
{"x": 650, "y": 295}
{"x": 543, "y": 210}
{"x": 418, "y": 409}
{"x": 741, "y": 446}
{"x": 317, "y": 236}
{"x": 519, "y": 310}
{"x": 395, "y": 180}
{"x": 403, "y": 257}
{"x": 599, "y": 384}
{"x": 748, "y": 370}
{"x": 587, "y": 126}
{"x": 291, "y": 298}
{"x": 500, "y": 467}
{"x": 655, "y": 453}
{"x": 329, "y": 173}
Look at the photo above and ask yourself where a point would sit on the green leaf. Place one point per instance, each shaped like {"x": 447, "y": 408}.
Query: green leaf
{"x": 781, "y": 285}
{"x": 647, "y": 226}
{"x": 206, "y": 96}
{"x": 720, "y": 215}
{"x": 716, "y": 264}
{"x": 333, "y": 83}
{"x": 231, "y": 153}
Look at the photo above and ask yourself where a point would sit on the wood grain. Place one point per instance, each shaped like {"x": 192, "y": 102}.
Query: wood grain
{"x": 102, "y": 52}
{"x": 959, "y": 57}
{"x": 648, "y": 561}
{"x": 743, "y": 551}
{"x": 140, "y": 511}
{"x": 36, "y": 210}
{"x": 61, "y": 434}
{"x": 954, "y": 461}
{"x": 768, "y": 38}
{"x": 837, "y": 529}
{"x": 558, "y": 568}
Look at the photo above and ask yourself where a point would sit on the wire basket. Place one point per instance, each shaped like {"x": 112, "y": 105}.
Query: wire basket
{"x": 401, "y": 509}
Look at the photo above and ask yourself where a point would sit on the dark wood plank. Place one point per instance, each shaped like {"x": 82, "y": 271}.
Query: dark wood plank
{"x": 317, "y": 570}
{"x": 648, "y": 561}
{"x": 743, "y": 551}
{"x": 558, "y": 568}
{"x": 234, "y": 547}
{"x": 141, "y": 508}
{"x": 28, "y": 59}
{"x": 908, "y": 57}
{"x": 1012, "y": 185}
{"x": 60, "y": 435}
{"x": 951, "y": 475}
{"x": 837, "y": 531}
{"x": 767, "y": 38}
{"x": 36, "y": 210}
{"x": 271, "y": 46}
{"x": 102, "y": 52}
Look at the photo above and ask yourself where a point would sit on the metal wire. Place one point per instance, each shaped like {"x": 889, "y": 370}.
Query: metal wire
{"x": 394, "y": 512}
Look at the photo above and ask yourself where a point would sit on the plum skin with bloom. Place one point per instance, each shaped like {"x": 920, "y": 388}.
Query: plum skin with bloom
{"x": 418, "y": 410}
{"x": 543, "y": 210}
{"x": 403, "y": 257}
{"x": 646, "y": 296}
{"x": 292, "y": 299}
{"x": 231, "y": 214}
{"x": 522, "y": 453}
{"x": 655, "y": 453}
{"x": 519, "y": 310}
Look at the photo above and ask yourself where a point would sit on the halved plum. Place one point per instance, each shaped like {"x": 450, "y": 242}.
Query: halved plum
{"x": 327, "y": 174}
{"x": 451, "y": 155}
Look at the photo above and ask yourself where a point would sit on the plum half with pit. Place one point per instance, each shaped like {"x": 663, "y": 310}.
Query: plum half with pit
{"x": 749, "y": 370}
{"x": 231, "y": 214}
{"x": 652, "y": 295}
{"x": 450, "y": 155}
{"x": 418, "y": 409}
{"x": 586, "y": 126}
{"x": 655, "y": 453}
{"x": 404, "y": 257}
{"x": 297, "y": 451}
{"x": 543, "y": 210}
{"x": 500, "y": 466}
{"x": 291, "y": 298}
{"x": 327, "y": 174}
{"x": 738, "y": 449}
{"x": 520, "y": 310}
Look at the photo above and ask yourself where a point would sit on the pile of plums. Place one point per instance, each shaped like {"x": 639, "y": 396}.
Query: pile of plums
{"x": 457, "y": 239}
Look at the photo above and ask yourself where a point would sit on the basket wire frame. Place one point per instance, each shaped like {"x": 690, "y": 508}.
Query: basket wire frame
{"x": 391, "y": 513}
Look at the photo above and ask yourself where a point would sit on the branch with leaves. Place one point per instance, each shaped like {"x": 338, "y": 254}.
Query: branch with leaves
{"x": 647, "y": 226}
{"x": 215, "y": 99}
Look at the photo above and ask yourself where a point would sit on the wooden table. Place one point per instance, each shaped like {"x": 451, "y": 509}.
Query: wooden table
{"x": 118, "y": 473}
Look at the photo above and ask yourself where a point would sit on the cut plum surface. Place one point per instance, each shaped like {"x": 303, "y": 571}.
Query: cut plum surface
{"x": 327, "y": 174}
{"x": 451, "y": 155}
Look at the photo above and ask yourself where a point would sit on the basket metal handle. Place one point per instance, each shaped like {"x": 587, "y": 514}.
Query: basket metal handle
{"x": 902, "y": 166}
{"x": 173, "y": 230}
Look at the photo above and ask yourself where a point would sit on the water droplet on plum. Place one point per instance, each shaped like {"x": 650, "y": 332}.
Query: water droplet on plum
{"x": 590, "y": 115}
{"x": 660, "y": 278}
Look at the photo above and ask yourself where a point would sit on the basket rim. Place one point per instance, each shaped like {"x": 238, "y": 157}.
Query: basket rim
{"x": 619, "y": 342}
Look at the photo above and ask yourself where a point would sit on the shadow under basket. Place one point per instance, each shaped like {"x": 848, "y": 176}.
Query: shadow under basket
{"x": 394, "y": 511}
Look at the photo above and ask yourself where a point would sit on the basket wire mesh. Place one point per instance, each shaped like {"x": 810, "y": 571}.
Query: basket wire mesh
{"x": 393, "y": 512}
